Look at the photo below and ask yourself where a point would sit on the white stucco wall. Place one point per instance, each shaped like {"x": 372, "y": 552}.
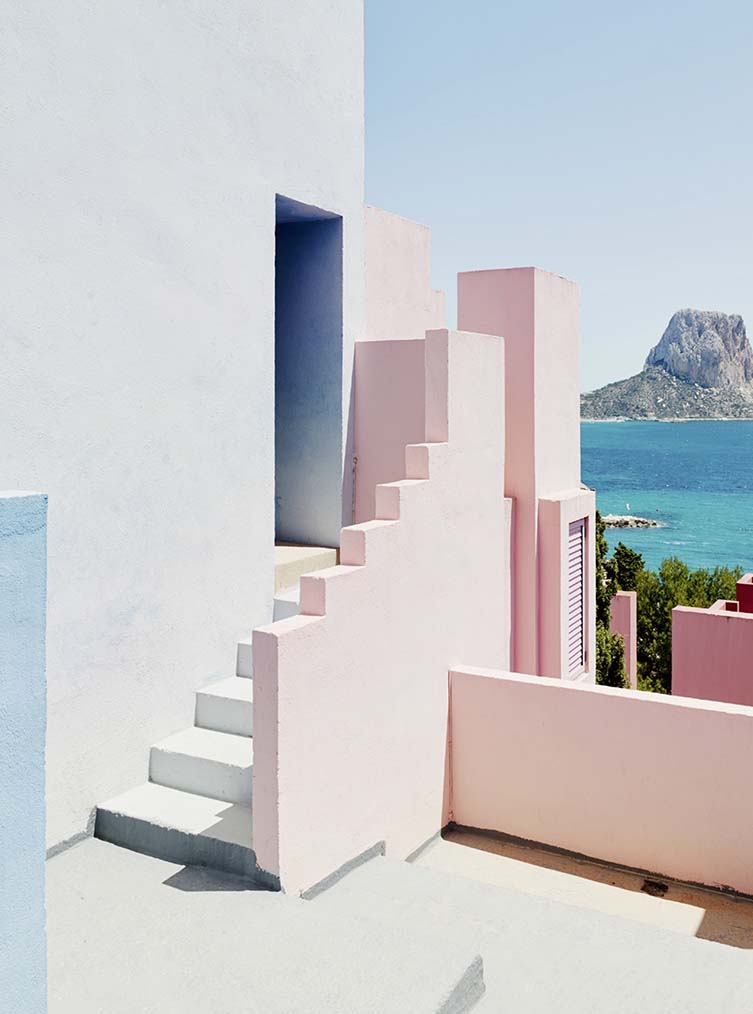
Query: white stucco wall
{"x": 143, "y": 148}
{"x": 23, "y": 945}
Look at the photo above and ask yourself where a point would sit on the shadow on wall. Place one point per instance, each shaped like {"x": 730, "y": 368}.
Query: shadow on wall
{"x": 308, "y": 374}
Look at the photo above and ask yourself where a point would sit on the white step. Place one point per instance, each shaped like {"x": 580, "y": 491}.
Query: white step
{"x": 287, "y": 602}
{"x": 226, "y": 706}
{"x": 181, "y": 828}
{"x": 291, "y": 561}
{"x": 208, "y": 763}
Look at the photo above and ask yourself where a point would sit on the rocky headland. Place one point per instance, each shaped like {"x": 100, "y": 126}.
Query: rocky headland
{"x": 702, "y": 368}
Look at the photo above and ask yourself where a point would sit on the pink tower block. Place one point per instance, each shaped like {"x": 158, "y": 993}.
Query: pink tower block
{"x": 537, "y": 314}
{"x": 745, "y": 593}
{"x": 625, "y": 623}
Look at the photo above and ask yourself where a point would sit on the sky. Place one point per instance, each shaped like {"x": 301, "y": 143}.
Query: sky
{"x": 611, "y": 143}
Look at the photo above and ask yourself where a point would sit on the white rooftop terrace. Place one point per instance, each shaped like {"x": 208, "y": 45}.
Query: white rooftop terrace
{"x": 132, "y": 933}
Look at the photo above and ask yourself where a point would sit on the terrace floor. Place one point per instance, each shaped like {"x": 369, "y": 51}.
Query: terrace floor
{"x": 128, "y": 933}
{"x": 682, "y": 908}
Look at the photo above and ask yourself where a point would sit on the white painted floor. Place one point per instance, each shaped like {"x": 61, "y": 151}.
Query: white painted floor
{"x": 128, "y": 934}
{"x": 133, "y": 935}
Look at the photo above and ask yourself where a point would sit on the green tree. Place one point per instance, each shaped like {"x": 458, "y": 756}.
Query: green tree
{"x": 627, "y": 566}
{"x": 606, "y": 584}
{"x": 610, "y": 650}
{"x": 653, "y": 649}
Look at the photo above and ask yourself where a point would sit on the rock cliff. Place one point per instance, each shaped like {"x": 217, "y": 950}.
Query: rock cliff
{"x": 702, "y": 368}
{"x": 708, "y": 349}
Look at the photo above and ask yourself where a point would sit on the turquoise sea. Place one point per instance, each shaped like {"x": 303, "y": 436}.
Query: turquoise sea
{"x": 696, "y": 478}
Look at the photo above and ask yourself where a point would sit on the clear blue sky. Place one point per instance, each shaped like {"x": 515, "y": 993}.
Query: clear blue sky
{"x": 612, "y": 143}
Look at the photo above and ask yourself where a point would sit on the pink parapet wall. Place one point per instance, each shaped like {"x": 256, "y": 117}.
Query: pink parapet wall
{"x": 351, "y": 696}
{"x": 537, "y": 314}
{"x": 625, "y": 623}
{"x": 645, "y": 780}
{"x": 400, "y": 302}
{"x": 389, "y": 398}
{"x": 712, "y": 654}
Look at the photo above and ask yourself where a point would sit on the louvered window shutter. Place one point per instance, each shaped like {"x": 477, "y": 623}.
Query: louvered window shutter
{"x": 576, "y": 569}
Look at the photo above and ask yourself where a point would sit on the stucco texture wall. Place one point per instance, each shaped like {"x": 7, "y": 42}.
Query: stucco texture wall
{"x": 351, "y": 697}
{"x": 646, "y": 780}
{"x": 144, "y": 146}
{"x": 23, "y": 562}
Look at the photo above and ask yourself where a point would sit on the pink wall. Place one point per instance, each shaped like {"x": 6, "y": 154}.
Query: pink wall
{"x": 400, "y": 302}
{"x": 645, "y": 780}
{"x": 351, "y": 697}
{"x": 625, "y": 623}
{"x": 537, "y": 313}
{"x": 389, "y": 383}
{"x": 712, "y": 655}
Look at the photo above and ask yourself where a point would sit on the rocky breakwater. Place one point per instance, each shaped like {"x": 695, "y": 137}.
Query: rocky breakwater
{"x": 629, "y": 521}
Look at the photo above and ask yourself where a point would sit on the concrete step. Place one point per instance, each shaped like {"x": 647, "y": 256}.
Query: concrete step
{"x": 287, "y": 603}
{"x": 204, "y": 762}
{"x": 226, "y": 706}
{"x": 181, "y": 828}
{"x": 540, "y": 956}
{"x": 291, "y": 561}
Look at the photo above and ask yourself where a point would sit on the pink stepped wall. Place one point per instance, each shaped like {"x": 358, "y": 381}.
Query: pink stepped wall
{"x": 351, "y": 697}
{"x": 645, "y": 780}
{"x": 400, "y": 302}
{"x": 390, "y": 410}
{"x": 537, "y": 314}
{"x": 625, "y": 623}
{"x": 712, "y": 654}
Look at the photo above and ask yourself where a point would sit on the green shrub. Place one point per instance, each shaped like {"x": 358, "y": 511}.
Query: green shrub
{"x": 610, "y": 651}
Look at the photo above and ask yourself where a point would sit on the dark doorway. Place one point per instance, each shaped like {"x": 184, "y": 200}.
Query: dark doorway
{"x": 308, "y": 374}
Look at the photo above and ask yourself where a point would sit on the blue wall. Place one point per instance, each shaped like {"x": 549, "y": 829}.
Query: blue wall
{"x": 308, "y": 381}
{"x": 23, "y": 575}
